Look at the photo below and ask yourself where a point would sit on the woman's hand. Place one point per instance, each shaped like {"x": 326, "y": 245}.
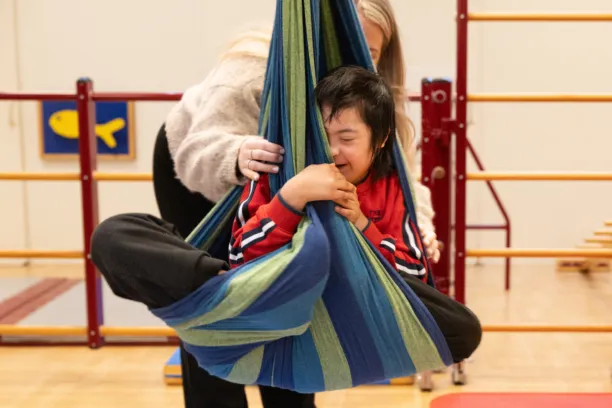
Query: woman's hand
{"x": 258, "y": 155}
{"x": 430, "y": 241}
{"x": 317, "y": 182}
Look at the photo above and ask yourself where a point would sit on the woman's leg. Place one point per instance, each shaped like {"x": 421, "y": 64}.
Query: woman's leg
{"x": 279, "y": 398}
{"x": 185, "y": 209}
{"x": 144, "y": 259}
{"x": 202, "y": 390}
{"x": 177, "y": 205}
{"x": 459, "y": 325}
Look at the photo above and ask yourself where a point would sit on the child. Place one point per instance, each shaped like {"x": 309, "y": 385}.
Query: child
{"x": 144, "y": 258}
{"x": 358, "y": 112}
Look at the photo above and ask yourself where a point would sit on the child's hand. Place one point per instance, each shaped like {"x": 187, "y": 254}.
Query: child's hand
{"x": 317, "y": 182}
{"x": 350, "y": 209}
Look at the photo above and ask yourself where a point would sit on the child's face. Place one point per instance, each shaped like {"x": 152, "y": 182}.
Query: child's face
{"x": 350, "y": 140}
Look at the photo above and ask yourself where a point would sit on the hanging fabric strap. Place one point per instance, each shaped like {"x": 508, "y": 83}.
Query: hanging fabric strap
{"x": 326, "y": 311}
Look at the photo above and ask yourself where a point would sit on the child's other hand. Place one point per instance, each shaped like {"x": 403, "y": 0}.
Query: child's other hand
{"x": 349, "y": 208}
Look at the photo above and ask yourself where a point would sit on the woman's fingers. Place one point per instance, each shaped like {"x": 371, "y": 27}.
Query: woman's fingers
{"x": 271, "y": 151}
{"x": 430, "y": 241}
{"x": 436, "y": 256}
{"x": 264, "y": 156}
{"x": 429, "y": 237}
{"x": 250, "y": 174}
{"x": 258, "y": 155}
{"x": 260, "y": 167}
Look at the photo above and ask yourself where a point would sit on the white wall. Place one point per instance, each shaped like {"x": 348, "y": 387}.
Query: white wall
{"x": 545, "y": 57}
{"x": 12, "y": 215}
{"x": 147, "y": 45}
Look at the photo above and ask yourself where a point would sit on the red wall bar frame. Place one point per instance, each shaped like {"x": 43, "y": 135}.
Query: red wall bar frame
{"x": 89, "y": 199}
{"x": 502, "y": 209}
{"x": 436, "y": 166}
{"x": 461, "y": 150}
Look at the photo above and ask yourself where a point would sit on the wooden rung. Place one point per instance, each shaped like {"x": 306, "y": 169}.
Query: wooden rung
{"x": 540, "y": 17}
{"x": 599, "y": 240}
{"x": 32, "y": 176}
{"x": 589, "y": 246}
{"x": 539, "y": 98}
{"x": 604, "y": 233}
{"x": 539, "y": 253}
{"x": 571, "y": 264}
{"x": 539, "y": 176}
{"x": 583, "y": 265}
{"x": 99, "y": 176}
{"x": 608, "y": 223}
{"x": 19, "y": 330}
{"x": 548, "y": 329}
{"x": 40, "y": 253}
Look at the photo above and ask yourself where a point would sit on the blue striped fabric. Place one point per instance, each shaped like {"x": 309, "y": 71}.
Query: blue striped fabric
{"x": 326, "y": 311}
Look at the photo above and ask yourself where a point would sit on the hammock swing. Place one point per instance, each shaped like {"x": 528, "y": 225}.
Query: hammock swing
{"x": 326, "y": 311}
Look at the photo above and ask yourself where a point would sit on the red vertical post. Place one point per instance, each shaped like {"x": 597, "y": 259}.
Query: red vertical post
{"x": 436, "y": 167}
{"x": 89, "y": 199}
{"x": 461, "y": 149}
{"x": 508, "y": 244}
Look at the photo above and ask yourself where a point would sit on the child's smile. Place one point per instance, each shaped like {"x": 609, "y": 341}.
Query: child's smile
{"x": 350, "y": 141}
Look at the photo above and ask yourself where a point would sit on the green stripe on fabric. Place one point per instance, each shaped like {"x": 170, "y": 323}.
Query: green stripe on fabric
{"x": 336, "y": 371}
{"x": 222, "y": 338}
{"x": 331, "y": 43}
{"x": 246, "y": 287}
{"x": 310, "y": 40}
{"x": 295, "y": 72}
{"x": 226, "y": 217}
{"x": 419, "y": 345}
{"x": 247, "y": 369}
{"x": 266, "y": 117}
{"x": 332, "y": 57}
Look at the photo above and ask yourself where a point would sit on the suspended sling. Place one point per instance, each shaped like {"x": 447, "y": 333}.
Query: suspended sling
{"x": 326, "y": 311}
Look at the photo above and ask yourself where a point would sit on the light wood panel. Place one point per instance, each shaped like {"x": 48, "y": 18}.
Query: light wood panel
{"x": 132, "y": 377}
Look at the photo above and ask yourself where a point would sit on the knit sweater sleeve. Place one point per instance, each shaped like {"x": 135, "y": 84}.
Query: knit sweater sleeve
{"x": 206, "y": 129}
{"x": 424, "y": 208}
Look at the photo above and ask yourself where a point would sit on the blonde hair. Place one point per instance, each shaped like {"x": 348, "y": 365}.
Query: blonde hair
{"x": 391, "y": 67}
{"x": 254, "y": 42}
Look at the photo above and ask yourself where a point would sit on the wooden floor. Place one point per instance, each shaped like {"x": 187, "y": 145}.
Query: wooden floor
{"x": 132, "y": 377}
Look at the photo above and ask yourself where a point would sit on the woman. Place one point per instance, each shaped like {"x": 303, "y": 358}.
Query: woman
{"x": 211, "y": 139}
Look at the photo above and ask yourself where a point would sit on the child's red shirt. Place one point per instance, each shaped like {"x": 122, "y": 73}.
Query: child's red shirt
{"x": 263, "y": 225}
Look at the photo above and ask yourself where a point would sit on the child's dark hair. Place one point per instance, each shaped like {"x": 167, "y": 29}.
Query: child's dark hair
{"x": 355, "y": 87}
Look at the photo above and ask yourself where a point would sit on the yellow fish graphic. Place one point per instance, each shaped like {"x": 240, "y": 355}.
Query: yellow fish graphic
{"x": 66, "y": 124}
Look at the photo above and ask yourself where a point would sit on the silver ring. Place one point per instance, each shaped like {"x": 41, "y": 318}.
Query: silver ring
{"x": 249, "y": 164}
{"x": 252, "y": 150}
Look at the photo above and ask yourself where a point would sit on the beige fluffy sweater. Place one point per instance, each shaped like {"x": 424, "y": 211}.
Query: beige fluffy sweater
{"x": 205, "y": 129}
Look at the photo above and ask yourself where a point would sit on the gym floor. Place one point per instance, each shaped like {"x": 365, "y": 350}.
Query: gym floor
{"x": 133, "y": 376}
